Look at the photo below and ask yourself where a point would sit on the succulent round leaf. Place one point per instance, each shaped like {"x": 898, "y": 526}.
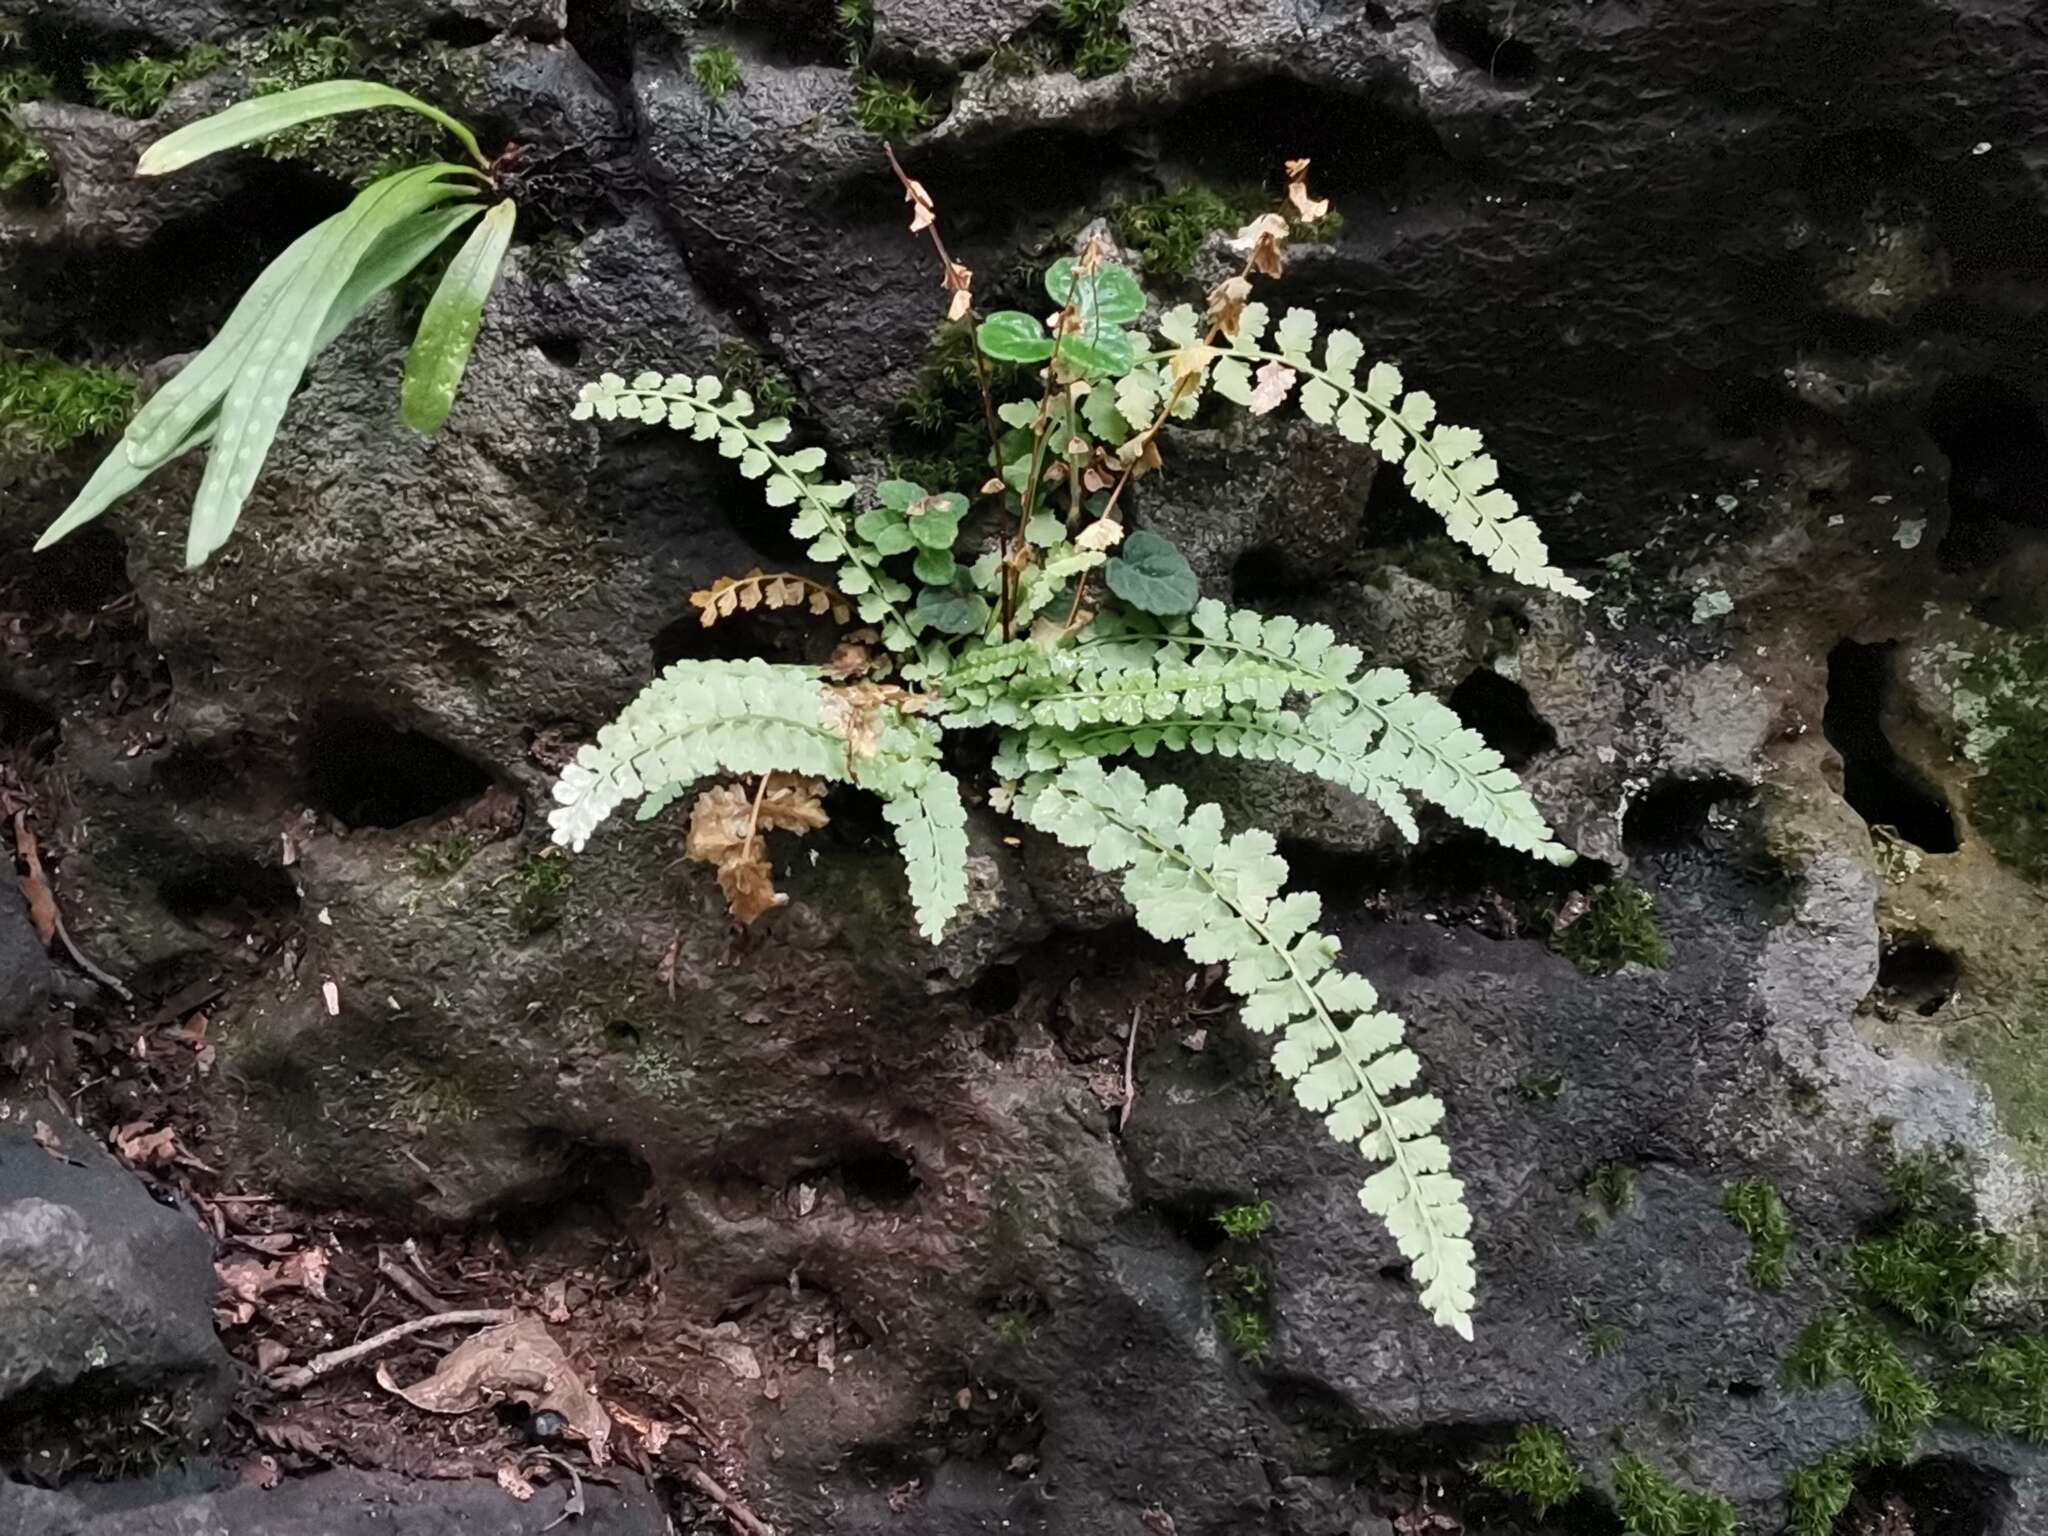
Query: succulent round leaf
{"x": 950, "y": 612}
{"x": 1011, "y": 336}
{"x": 1151, "y": 574}
{"x": 1104, "y": 354}
{"x": 1109, "y": 294}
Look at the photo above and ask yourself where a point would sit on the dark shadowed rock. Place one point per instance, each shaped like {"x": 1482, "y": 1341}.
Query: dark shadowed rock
{"x": 24, "y": 973}
{"x": 108, "y": 1294}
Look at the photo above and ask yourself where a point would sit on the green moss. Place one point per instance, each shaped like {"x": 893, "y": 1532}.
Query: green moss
{"x": 1619, "y": 927}
{"x": 1539, "y": 1087}
{"x": 1819, "y": 1491}
{"x": 1012, "y": 1327}
{"x": 856, "y": 22}
{"x": 2004, "y": 1389}
{"x": 361, "y": 146}
{"x": 744, "y": 368}
{"x": 1025, "y": 55}
{"x": 47, "y": 404}
{"x": 136, "y": 87}
{"x": 1604, "y": 1339}
{"x": 1246, "y": 1223}
{"x": 891, "y": 109}
{"x": 1432, "y": 560}
{"x": 716, "y": 71}
{"x": 1929, "y": 1264}
{"x": 540, "y": 892}
{"x": 1093, "y": 34}
{"x": 1612, "y": 1189}
{"x": 1166, "y": 232}
{"x": 1651, "y": 1504}
{"x": 1753, "y": 1205}
{"x": 1536, "y": 1466}
{"x": 942, "y": 433}
{"x": 440, "y": 857}
{"x": 2002, "y": 704}
{"x": 1852, "y": 1344}
{"x": 1246, "y": 1330}
{"x": 23, "y": 160}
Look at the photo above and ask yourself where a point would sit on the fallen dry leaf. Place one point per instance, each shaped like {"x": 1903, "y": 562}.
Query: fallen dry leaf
{"x": 35, "y": 885}
{"x": 554, "y": 1301}
{"x": 287, "y": 1436}
{"x": 654, "y": 1434}
{"x": 270, "y": 1355}
{"x": 513, "y": 1482}
{"x": 262, "y": 1472}
{"x": 723, "y": 1344}
{"x": 332, "y": 993}
{"x": 1264, "y": 241}
{"x": 1158, "y": 1521}
{"x": 145, "y": 1148}
{"x": 903, "y": 1495}
{"x": 47, "y": 1140}
{"x": 517, "y": 1360}
{"x": 247, "y": 1281}
{"x": 1308, "y": 209}
{"x": 306, "y": 1269}
{"x": 726, "y": 827}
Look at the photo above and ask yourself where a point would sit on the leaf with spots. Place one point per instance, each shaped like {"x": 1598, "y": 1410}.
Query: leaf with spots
{"x": 448, "y": 330}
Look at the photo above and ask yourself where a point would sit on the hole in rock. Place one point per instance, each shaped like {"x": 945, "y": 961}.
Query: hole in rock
{"x": 366, "y": 772}
{"x": 1844, "y": 171}
{"x": 1673, "y": 813}
{"x": 562, "y": 351}
{"x": 1397, "y": 1273}
{"x": 1263, "y": 574}
{"x": 621, "y": 1036}
{"x": 1912, "y": 973}
{"x": 1464, "y": 31}
{"x": 576, "y": 1201}
{"x": 601, "y": 33}
{"x": 1997, "y": 450}
{"x": 1937, "y": 1496}
{"x": 23, "y": 722}
{"x": 996, "y": 990}
{"x": 1501, "y": 712}
{"x": 1378, "y": 17}
{"x": 459, "y": 31}
{"x": 229, "y": 895}
{"x": 1745, "y": 1390}
{"x": 1876, "y": 782}
{"x": 878, "y": 1175}
{"x": 81, "y": 575}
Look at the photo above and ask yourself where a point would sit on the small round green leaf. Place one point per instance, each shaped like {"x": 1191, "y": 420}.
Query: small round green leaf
{"x": 1109, "y": 294}
{"x": 950, "y": 612}
{"x": 934, "y": 567}
{"x": 1103, "y": 355}
{"x": 899, "y": 494}
{"x": 1152, "y": 575}
{"x": 1011, "y": 336}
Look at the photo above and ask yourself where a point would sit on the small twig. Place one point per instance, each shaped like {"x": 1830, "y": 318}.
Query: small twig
{"x": 404, "y": 1282}
{"x": 573, "y": 1507}
{"x": 1130, "y": 1075}
{"x": 337, "y": 1359}
{"x": 85, "y": 965}
{"x": 982, "y": 373}
{"x": 736, "y": 1511}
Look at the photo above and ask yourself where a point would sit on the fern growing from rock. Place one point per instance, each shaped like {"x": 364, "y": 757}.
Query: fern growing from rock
{"x": 1074, "y": 640}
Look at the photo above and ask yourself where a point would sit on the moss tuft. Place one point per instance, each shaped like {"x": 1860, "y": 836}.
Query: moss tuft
{"x": 1537, "y": 1466}
{"x": 362, "y": 146}
{"x": 1167, "y": 231}
{"x": 742, "y": 367}
{"x": 2004, "y": 1389}
{"x": 1651, "y": 1504}
{"x": 2003, "y": 705}
{"x": 440, "y": 857}
{"x": 136, "y": 87}
{"x": 1753, "y": 1205}
{"x": 1094, "y": 36}
{"x": 23, "y": 160}
{"x": 1819, "y": 1491}
{"x": 1013, "y": 1327}
{"x": 1246, "y": 1330}
{"x": 1929, "y": 1264}
{"x": 47, "y": 404}
{"x": 891, "y": 109}
{"x": 1852, "y": 1344}
{"x": 1023, "y": 56}
{"x": 716, "y": 71}
{"x": 1246, "y": 1223}
{"x": 540, "y": 893}
{"x": 856, "y": 22}
{"x": 1619, "y": 927}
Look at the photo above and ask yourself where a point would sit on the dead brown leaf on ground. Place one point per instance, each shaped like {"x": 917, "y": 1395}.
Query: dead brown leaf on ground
{"x": 514, "y": 1482}
{"x": 48, "y": 1141}
{"x": 35, "y": 885}
{"x": 521, "y": 1361}
{"x": 247, "y": 1281}
{"x": 146, "y": 1146}
{"x": 654, "y": 1434}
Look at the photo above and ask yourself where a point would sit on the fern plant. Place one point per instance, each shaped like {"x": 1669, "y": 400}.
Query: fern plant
{"x": 231, "y": 396}
{"x": 1023, "y": 606}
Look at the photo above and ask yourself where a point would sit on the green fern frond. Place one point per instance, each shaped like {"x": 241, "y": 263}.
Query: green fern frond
{"x": 931, "y": 830}
{"x": 1443, "y": 464}
{"x": 1220, "y": 899}
{"x": 1362, "y": 729}
{"x": 792, "y": 479}
{"x": 1258, "y": 735}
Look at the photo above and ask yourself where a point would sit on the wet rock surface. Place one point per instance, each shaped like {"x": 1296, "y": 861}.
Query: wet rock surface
{"x": 1702, "y": 276}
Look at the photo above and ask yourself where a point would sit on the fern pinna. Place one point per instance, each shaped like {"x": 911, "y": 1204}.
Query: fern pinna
{"x": 1025, "y": 607}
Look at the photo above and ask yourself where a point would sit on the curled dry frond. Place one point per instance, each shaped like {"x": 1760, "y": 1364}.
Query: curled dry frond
{"x": 768, "y": 589}
{"x": 726, "y": 827}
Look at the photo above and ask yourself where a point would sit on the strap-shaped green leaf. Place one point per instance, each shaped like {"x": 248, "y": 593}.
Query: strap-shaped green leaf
{"x": 396, "y": 253}
{"x": 283, "y": 345}
{"x": 448, "y": 330}
{"x": 261, "y": 116}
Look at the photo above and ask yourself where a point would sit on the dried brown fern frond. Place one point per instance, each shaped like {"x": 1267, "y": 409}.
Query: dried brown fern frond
{"x": 726, "y": 824}
{"x": 768, "y": 589}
